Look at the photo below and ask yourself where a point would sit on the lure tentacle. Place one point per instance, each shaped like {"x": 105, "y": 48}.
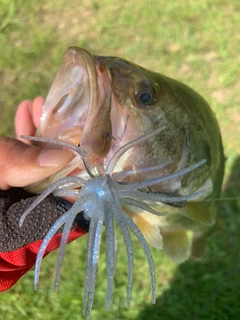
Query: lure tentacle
{"x": 75, "y": 181}
{"x": 58, "y": 224}
{"x": 111, "y": 251}
{"x": 67, "y": 228}
{"x": 159, "y": 197}
{"x": 127, "y": 146}
{"x": 123, "y": 174}
{"x": 94, "y": 241}
{"x": 142, "y": 205}
{"x": 150, "y": 182}
{"x": 102, "y": 198}
{"x": 146, "y": 249}
{"x": 58, "y": 142}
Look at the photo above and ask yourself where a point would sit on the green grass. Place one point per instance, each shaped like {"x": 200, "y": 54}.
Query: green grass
{"x": 197, "y": 42}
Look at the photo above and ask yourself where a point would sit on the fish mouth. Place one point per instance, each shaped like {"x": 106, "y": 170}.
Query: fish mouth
{"x": 72, "y": 93}
{"x": 78, "y": 110}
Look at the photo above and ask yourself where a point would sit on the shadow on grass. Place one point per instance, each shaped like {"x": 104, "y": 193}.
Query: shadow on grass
{"x": 208, "y": 289}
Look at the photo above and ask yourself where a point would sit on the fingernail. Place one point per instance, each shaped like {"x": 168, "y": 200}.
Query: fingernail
{"x": 54, "y": 158}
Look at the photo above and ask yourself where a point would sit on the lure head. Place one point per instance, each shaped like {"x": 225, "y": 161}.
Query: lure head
{"x": 102, "y": 103}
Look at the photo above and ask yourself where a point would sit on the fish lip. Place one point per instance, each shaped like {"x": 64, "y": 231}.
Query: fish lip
{"x": 73, "y": 91}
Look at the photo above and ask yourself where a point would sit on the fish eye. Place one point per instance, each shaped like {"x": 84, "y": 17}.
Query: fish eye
{"x": 145, "y": 97}
{"x": 145, "y": 94}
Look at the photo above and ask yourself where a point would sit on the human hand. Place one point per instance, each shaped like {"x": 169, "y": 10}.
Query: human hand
{"x": 21, "y": 163}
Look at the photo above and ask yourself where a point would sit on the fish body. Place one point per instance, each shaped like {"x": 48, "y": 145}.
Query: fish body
{"x": 103, "y": 103}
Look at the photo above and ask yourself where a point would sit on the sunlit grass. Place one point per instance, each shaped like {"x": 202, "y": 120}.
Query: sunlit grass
{"x": 197, "y": 42}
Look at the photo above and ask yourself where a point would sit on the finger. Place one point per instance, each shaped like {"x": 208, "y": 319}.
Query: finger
{"x": 22, "y": 164}
{"x": 37, "y": 110}
{"x": 28, "y": 117}
{"x": 23, "y": 120}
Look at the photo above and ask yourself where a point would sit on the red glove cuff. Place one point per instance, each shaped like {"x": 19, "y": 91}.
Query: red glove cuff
{"x": 13, "y": 265}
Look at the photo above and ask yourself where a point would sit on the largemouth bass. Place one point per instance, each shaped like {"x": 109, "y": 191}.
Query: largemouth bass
{"x": 102, "y": 104}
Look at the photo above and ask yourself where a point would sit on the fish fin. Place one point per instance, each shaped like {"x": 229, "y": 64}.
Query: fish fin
{"x": 198, "y": 248}
{"x": 198, "y": 211}
{"x": 176, "y": 245}
{"x": 199, "y": 243}
{"x": 150, "y": 232}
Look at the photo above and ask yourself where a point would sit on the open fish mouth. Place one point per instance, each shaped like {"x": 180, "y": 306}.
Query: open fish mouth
{"x": 73, "y": 92}
{"x": 101, "y": 198}
{"x": 79, "y": 100}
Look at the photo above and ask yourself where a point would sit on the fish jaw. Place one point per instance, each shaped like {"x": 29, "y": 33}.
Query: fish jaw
{"x": 66, "y": 107}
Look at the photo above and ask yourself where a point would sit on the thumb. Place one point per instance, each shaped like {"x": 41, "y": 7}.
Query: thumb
{"x": 22, "y": 164}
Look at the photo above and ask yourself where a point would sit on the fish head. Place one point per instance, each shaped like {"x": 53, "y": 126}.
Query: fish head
{"x": 92, "y": 97}
{"x": 102, "y": 103}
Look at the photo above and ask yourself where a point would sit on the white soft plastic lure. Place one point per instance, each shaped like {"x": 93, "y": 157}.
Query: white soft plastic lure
{"x": 102, "y": 198}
